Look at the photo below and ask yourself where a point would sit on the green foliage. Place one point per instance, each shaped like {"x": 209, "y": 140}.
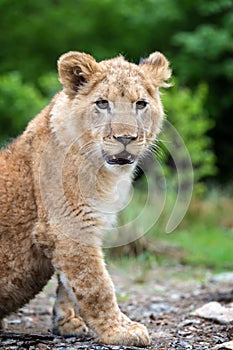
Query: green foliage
{"x": 18, "y": 104}
{"x": 49, "y": 84}
{"x": 206, "y": 55}
{"x": 203, "y": 49}
{"x": 186, "y": 111}
{"x": 195, "y": 35}
{"x": 44, "y": 30}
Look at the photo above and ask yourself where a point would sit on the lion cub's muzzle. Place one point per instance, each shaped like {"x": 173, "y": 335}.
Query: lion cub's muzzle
{"x": 123, "y": 157}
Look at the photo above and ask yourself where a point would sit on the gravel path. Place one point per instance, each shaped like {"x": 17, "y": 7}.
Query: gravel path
{"x": 164, "y": 300}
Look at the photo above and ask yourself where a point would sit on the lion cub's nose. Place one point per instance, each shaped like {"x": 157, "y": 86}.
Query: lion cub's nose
{"x": 125, "y": 140}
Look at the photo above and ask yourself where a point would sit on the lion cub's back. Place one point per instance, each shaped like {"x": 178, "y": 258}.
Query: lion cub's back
{"x": 17, "y": 202}
{"x": 23, "y": 268}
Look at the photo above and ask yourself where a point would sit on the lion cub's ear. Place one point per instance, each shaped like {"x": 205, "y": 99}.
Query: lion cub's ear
{"x": 156, "y": 66}
{"x": 76, "y": 68}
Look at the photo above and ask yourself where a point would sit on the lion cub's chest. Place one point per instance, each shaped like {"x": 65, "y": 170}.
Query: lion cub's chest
{"x": 112, "y": 197}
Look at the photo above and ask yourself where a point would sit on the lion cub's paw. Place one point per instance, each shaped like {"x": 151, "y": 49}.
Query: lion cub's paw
{"x": 133, "y": 334}
{"x": 72, "y": 326}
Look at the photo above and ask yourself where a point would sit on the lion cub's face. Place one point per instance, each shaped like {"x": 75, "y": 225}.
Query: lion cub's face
{"x": 112, "y": 108}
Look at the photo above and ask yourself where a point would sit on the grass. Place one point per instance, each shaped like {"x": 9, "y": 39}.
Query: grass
{"x": 203, "y": 239}
{"x": 206, "y": 233}
{"x": 205, "y": 245}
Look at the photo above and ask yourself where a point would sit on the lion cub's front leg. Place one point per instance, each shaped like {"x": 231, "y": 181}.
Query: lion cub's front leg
{"x": 84, "y": 275}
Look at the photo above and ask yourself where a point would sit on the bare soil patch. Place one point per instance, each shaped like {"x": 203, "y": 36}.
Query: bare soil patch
{"x": 164, "y": 301}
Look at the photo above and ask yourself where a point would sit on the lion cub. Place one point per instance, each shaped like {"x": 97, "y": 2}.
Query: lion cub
{"x": 58, "y": 190}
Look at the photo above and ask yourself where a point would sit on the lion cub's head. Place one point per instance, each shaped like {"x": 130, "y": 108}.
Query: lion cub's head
{"x": 112, "y": 109}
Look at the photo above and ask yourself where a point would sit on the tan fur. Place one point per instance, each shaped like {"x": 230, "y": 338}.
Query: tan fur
{"x": 58, "y": 190}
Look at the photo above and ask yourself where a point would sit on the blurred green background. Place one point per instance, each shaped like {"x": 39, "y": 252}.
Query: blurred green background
{"x": 197, "y": 38}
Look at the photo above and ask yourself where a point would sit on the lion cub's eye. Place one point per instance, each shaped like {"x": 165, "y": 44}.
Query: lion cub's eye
{"x": 140, "y": 104}
{"x": 102, "y": 104}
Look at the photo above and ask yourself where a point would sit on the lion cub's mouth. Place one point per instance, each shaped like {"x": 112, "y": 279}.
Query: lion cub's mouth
{"x": 120, "y": 158}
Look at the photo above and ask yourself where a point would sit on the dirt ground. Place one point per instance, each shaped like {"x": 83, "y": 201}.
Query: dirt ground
{"x": 162, "y": 298}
